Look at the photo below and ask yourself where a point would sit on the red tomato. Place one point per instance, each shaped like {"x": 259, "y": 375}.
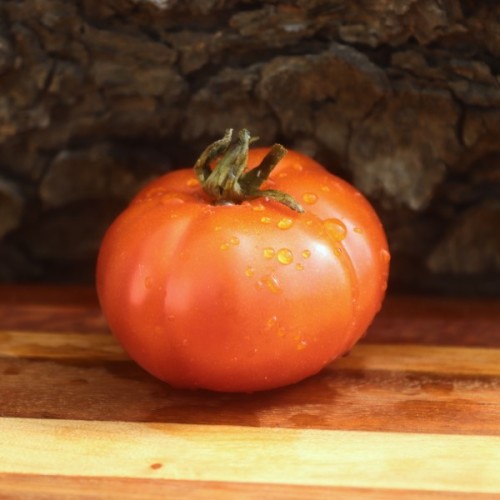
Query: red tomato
{"x": 244, "y": 296}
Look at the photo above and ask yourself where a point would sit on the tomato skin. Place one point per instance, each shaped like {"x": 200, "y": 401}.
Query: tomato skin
{"x": 246, "y": 297}
{"x": 364, "y": 239}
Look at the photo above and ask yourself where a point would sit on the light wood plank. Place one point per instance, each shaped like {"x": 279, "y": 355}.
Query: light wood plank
{"x": 60, "y": 345}
{"x": 423, "y": 358}
{"x": 251, "y": 455}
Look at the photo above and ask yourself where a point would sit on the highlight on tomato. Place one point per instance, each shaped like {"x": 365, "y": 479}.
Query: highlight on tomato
{"x": 253, "y": 271}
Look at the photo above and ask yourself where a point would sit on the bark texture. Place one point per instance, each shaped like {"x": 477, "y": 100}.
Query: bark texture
{"x": 402, "y": 98}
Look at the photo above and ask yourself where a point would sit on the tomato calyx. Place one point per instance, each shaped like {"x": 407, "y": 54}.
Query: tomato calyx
{"x": 229, "y": 182}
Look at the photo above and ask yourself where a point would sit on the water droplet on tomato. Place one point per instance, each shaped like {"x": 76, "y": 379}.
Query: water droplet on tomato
{"x": 272, "y": 283}
{"x": 335, "y": 228}
{"x": 269, "y": 252}
{"x": 337, "y": 251}
{"x": 299, "y": 266}
{"x": 285, "y": 223}
{"x": 224, "y": 246}
{"x": 310, "y": 198}
{"x": 297, "y": 166}
{"x": 301, "y": 345}
{"x": 285, "y": 256}
{"x": 306, "y": 253}
{"x": 271, "y": 323}
{"x": 249, "y": 271}
{"x": 265, "y": 220}
{"x": 258, "y": 208}
{"x": 193, "y": 182}
{"x": 358, "y": 230}
{"x": 253, "y": 352}
{"x": 155, "y": 193}
{"x": 171, "y": 198}
{"x": 385, "y": 255}
{"x": 326, "y": 189}
{"x": 234, "y": 241}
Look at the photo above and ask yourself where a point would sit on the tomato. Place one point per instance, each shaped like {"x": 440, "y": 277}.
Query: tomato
{"x": 218, "y": 289}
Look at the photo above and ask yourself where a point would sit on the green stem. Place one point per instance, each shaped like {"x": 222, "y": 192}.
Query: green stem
{"x": 228, "y": 183}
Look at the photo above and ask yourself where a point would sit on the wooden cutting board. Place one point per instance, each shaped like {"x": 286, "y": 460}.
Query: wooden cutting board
{"x": 412, "y": 412}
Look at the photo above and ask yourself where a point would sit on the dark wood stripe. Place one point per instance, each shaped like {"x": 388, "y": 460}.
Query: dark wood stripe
{"x": 437, "y": 321}
{"x": 403, "y": 319}
{"x": 373, "y": 400}
{"x": 53, "y": 295}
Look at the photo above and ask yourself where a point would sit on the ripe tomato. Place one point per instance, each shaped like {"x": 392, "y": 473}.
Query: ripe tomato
{"x": 246, "y": 292}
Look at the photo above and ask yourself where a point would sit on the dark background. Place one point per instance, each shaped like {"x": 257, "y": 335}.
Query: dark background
{"x": 400, "y": 98}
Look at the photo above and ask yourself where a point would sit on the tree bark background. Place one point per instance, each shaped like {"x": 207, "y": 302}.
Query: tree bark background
{"x": 402, "y": 98}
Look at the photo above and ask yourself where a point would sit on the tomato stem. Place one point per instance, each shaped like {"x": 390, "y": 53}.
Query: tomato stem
{"x": 229, "y": 182}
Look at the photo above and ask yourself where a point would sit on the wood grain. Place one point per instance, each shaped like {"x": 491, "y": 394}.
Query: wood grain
{"x": 29, "y": 486}
{"x": 417, "y": 319}
{"x": 252, "y": 455}
{"x": 376, "y": 387}
{"x": 412, "y": 412}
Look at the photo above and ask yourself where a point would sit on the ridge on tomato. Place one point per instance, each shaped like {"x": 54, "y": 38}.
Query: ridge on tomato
{"x": 251, "y": 272}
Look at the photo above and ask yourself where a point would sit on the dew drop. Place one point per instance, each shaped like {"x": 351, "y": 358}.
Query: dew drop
{"x": 269, "y": 252}
{"x": 285, "y": 223}
{"x": 171, "y": 198}
{"x": 337, "y": 251}
{"x": 301, "y": 345}
{"x": 234, "y": 241}
{"x": 155, "y": 193}
{"x": 271, "y": 323}
{"x": 298, "y": 166}
{"x": 299, "y": 266}
{"x": 325, "y": 189}
{"x": 358, "y": 230}
{"x": 265, "y": 220}
{"x": 285, "y": 256}
{"x": 310, "y": 198}
{"x": 306, "y": 254}
{"x": 217, "y": 228}
{"x": 249, "y": 271}
{"x": 258, "y": 208}
{"x": 385, "y": 255}
{"x": 224, "y": 246}
{"x": 272, "y": 283}
{"x": 192, "y": 182}
{"x": 335, "y": 228}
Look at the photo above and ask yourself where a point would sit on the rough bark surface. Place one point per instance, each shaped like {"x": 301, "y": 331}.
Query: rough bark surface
{"x": 400, "y": 97}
